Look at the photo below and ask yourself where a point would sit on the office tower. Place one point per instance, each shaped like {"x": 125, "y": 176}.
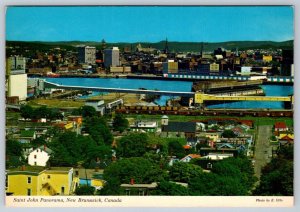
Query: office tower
{"x": 87, "y": 55}
{"x": 111, "y": 57}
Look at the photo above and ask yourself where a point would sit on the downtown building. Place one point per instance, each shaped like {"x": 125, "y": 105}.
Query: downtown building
{"x": 86, "y": 55}
{"x": 111, "y": 57}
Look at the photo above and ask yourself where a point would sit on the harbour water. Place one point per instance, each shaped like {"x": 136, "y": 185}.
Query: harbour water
{"x": 270, "y": 90}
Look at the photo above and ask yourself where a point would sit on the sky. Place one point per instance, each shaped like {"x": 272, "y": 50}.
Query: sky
{"x": 150, "y": 24}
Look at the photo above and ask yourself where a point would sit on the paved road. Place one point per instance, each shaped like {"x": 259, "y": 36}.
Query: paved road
{"x": 263, "y": 150}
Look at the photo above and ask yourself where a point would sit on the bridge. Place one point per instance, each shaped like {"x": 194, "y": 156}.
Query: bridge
{"x": 201, "y": 97}
{"x": 198, "y": 97}
{"x": 119, "y": 90}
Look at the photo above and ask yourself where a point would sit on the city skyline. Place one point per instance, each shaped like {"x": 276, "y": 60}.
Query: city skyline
{"x": 150, "y": 23}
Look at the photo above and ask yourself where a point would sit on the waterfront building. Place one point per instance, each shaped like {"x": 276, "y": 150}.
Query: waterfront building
{"x": 87, "y": 55}
{"x": 214, "y": 69}
{"x": 170, "y": 67}
{"x": 111, "y": 57}
{"x": 16, "y": 77}
{"x": 17, "y": 86}
{"x": 40, "y": 181}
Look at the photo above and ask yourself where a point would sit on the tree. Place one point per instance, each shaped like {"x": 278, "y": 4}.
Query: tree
{"x": 120, "y": 123}
{"x": 14, "y": 153}
{"x": 211, "y": 184}
{"x": 277, "y": 176}
{"x": 88, "y": 111}
{"x": 133, "y": 145}
{"x": 41, "y": 112}
{"x": 228, "y": 134}
{"x": 184, "y": 172}
{"x": 85, "y": 190}
{"x": 139, "y": 169}
{"x": 166, "y": 188}
{"x": 26, "y": 111}
{"x": 175, "y": 148}
{"x": 97, "y": 128}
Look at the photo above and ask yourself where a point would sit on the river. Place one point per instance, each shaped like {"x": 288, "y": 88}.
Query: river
{"x": 163, "y": 85}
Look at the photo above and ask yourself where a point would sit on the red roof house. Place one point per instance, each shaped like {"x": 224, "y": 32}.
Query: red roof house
{"x": 280, "y": 126}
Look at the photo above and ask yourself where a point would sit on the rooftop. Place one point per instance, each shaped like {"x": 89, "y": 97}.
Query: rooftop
{"x": 180, "y": 127}
{"x": 280, "y": 125}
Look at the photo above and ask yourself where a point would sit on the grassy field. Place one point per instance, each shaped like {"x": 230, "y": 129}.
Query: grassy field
{"x": 257, "y": 120}
{"x": 57, "y": 103}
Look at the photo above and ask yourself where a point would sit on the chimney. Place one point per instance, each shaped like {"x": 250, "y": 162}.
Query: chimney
{"x": 131, "y": 181}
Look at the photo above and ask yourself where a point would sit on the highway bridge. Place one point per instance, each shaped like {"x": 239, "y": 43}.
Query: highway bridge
{"x": 119, "y": 90}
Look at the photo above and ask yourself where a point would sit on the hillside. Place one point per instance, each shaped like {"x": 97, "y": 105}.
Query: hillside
{"x": 173, "y": 46}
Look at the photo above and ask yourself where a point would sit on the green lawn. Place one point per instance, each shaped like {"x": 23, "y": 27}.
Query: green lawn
{"x": 257, "y": 120}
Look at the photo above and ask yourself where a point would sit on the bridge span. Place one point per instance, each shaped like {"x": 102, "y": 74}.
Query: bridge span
{"x": 119, "y": 90}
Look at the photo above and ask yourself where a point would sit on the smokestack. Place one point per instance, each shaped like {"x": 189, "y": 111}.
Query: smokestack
{"x": 131, "y": 181}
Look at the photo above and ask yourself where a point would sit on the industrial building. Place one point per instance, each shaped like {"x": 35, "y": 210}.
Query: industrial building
{"x": 16, "y": 78}
{"x": 17, "y": 86}
{"x": 86, "y": 55}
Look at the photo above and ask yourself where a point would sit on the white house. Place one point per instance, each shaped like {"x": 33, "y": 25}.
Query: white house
{"x": 39, "y": 156}
{"x": 144, "y": 126}
{"x": 189, "y": 157}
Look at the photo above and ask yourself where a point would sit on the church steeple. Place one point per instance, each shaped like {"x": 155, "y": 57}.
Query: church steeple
{"x": 166, "y": 50}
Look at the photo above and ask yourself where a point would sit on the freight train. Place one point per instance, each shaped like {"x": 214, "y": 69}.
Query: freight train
{"x": 202, "y": 112}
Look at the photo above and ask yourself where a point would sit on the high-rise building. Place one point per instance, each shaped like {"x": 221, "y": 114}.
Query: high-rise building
{"x": 16, "y": 77}
{"x": 111, "y": 57}
{"x": 86, "y": 55}
{"x": 15, "y": 65}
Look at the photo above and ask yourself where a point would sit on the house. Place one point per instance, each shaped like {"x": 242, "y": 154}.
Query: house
{"x": 211, "y": 135}
{"x": 65, "y": 125}
{"x": 40, "y": 181}
{"x": 39, "y": 156}
{"x": 179, "y": 129}
{"x": 189, "y": 157}
{"x": 26, "y": 136}
{"x": 173, "y": 160}
{"x": 192, "y": 142}
{"x": 204, "y": 151}
{"x": 218, "y": 156}
{"x": 138, "y": 189}
{"x": 280, "y": 126}
{"x": 286, "y": 139}
{"x": 237, "y": 131}
{"x": 248, "y": 123}
{"x": 144, "y": 126}
{"x": 76, "y": 119}
{"x": 91, "y": 177}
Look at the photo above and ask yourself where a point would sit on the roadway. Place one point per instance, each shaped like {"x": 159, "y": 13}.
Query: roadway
{"x": 263, "y": 150}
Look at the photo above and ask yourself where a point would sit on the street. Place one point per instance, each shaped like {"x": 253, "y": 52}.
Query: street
{"x": 263, "y": 150}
